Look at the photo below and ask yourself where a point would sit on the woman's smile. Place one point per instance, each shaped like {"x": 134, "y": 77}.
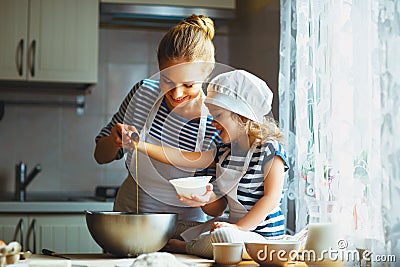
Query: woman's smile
{"x": 181, "y": 82}
{"x": 175, "y": 98}
{"x": 179, "y": 100}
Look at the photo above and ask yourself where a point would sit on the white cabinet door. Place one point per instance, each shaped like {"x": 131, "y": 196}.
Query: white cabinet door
{"x": 63, "y": 38}
{"x": 49, "y": 40}
{"x": 13, "y": 228}
{"x": 13, "y": 36}
{"x": 63, "y": 234}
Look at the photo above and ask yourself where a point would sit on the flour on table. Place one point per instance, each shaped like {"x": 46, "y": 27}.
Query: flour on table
{"x": 154, "y": 259}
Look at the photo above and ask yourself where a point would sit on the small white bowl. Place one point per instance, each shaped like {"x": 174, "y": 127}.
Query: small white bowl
{"x": 227, "y": 254}
{"x": 188, "y": 186}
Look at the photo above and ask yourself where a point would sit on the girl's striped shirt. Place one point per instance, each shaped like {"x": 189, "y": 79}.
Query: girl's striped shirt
{"x": 251, "y": 185}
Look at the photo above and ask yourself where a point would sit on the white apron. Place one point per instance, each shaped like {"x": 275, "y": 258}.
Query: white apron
{"x": 156, "y": 193}
{"x": 227, "y": 182}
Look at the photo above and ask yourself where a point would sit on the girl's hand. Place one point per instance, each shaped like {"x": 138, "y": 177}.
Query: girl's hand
{"x": 217, "y": 225}
{"x": 121, "y": 135}
{"x": 198, "y": 201}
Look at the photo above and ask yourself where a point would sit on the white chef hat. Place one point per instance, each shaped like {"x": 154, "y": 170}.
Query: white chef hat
{"x": 241, "y": 92}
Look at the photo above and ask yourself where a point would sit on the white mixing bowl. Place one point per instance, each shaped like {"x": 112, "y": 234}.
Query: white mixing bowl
{"x": 188, "y": 186}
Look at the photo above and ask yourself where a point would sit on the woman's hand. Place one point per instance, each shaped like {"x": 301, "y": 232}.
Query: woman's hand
{"x": 121, "y": 135}
{"x": 107, "y": 147}
{"x": 198, "y": 201}
{"x": 217, "y": 225}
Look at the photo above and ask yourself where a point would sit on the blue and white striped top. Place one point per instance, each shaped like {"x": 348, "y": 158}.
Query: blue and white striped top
{"x": 251, "y": 185}
{"x": 167, "y": 127}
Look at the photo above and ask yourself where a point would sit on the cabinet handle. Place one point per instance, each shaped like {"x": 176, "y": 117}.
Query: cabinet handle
{"x": 32, "y": 58}
{"x": 20, "y": 230}
{"x": 20, "y": 54}
{"x": 32, "y": 228}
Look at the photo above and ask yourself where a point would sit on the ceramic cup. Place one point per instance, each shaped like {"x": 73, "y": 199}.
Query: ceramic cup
{"x": 227, "y": 253}
{"x": 322, "y": 238}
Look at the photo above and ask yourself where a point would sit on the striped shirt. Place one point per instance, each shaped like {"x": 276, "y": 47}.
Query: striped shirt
{"x": 167, "y": 127}
{"x": 251, "y": 185}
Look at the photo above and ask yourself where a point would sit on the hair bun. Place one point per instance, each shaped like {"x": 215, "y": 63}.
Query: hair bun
{"x": 203, "y": 22}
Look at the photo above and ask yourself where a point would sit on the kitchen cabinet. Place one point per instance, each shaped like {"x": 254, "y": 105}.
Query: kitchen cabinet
{"x": 64, "y": 233}
{"x": 49, "y": 40}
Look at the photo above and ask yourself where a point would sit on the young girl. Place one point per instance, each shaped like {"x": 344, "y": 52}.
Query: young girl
{"x": 250, "y": 165}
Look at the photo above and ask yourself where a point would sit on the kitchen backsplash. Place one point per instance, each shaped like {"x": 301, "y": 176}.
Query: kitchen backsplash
{"x": 61, "y": 140}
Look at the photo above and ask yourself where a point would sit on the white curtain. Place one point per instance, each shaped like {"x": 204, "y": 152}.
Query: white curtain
{"x": 339, "y": 91}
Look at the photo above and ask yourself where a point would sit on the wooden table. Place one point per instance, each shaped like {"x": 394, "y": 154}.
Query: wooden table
{"x": 106, "y": 260}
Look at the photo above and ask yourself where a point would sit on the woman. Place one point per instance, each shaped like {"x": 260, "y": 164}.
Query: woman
{"x": 165, "y": 110}
{"x": 250, "y": 166}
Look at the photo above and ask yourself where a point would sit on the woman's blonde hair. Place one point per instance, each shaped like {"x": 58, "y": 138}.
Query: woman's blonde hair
{"x": 190, "y": 40}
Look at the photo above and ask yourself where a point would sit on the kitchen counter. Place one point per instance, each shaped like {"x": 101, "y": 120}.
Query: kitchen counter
{"x": 106, "y": 260}
{"x": 54, "y": 206}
